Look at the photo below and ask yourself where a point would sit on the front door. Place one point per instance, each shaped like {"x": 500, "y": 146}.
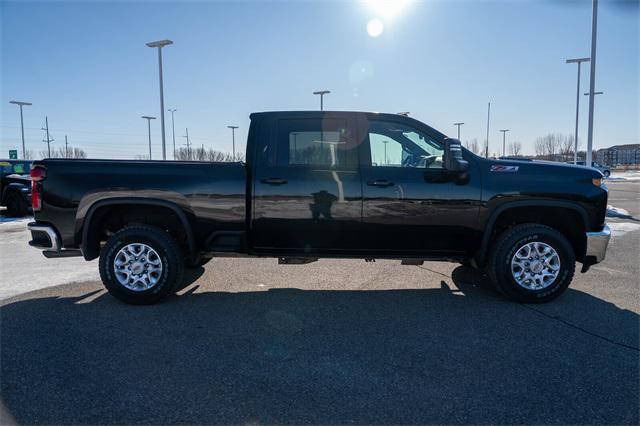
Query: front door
{"x": 307, "y": 188}
{"x": 411, "y": 204}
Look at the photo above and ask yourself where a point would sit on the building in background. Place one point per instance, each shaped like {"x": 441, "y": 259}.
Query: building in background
{"x": 619, "y": 155}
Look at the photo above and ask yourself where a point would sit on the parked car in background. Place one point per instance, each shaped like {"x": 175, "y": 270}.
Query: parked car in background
{"x": 15, "y": 187}
{"x": 325, "y": 184}
{"x": 606, "y": 172}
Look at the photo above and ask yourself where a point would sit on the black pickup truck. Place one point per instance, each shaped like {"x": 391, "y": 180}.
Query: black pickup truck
{"x": 325, "y": 184}
{"x": 15, "y": 187}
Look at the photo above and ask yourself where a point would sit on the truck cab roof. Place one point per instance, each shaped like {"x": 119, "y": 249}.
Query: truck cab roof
{"x": 270, "y": 115}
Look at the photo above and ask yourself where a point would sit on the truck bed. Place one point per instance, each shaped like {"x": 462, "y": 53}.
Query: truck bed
{"x": 212, "y": 194}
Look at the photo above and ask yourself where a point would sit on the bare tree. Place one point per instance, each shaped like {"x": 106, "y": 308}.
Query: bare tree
{"x": 473, "y": 146}
{"x": 183, "y": 154}
{"x": 539, "y": 147}
{"x": 199, "y": 154}
{"x": 77, "y": 153}
{"x": 515, "y": 147}
{"x": 61, "y": 152}
{"x": 549, "y": 145}
{"x": 552, "y": 144}
{"x": 203, "y": 154}
{"x": 29, "y": 155}
{"x": 568, "y": 147}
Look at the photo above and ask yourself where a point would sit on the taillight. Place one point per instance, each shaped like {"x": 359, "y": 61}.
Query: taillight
{"x": 37, "y": 174}
{"x": 36, "y": 201}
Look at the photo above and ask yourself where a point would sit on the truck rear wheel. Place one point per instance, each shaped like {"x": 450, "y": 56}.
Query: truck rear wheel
{"x": 141, "y": 265}
{"x": 531, "y": 263}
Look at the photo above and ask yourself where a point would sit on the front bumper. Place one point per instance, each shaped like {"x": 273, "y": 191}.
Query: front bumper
{"x": 597, "y": 243}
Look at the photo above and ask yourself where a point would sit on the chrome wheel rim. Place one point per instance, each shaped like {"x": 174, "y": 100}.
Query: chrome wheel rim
{"x": 535, "y": 265}
{"x": 137, "y": 267}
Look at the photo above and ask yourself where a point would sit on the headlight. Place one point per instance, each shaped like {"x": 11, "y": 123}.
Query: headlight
{"x": 597, "y": 181}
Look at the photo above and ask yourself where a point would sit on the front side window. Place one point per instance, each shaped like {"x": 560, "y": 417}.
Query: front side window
{"x": 398, "y": 145}
{"x": 315, "y": 142}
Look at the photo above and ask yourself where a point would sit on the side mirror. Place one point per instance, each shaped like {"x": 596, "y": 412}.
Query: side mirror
{"x": 452, "y": 157}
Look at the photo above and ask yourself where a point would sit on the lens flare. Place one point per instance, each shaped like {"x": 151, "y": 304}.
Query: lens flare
{"x": 387, "y": 9}
{"x": 375, "y": 27}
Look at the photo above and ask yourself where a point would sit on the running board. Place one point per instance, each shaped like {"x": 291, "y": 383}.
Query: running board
{"x": 51, "y": 254}
{"x": 413, "y": 262}
{"x": 296, "y": 260}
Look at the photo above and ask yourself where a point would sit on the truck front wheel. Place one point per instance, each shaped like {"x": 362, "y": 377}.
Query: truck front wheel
{"x": 16, "y": 205}
{"x": 140, "y": 265}
{"x": 531, "y": 263}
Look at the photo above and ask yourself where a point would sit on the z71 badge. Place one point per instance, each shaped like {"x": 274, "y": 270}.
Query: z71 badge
{"x": 507, "y": 169}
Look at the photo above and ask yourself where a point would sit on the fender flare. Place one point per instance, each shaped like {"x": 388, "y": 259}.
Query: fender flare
{"x": 186, "y": 223}
{"x": 488, "y": 230}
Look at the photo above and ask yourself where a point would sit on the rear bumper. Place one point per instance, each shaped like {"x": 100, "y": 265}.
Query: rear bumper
{"x": 597, "y": 243}
{"x": 45, "y": 237}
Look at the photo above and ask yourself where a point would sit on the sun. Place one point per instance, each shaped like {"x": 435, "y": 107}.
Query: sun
{"x": 375, "y": 27}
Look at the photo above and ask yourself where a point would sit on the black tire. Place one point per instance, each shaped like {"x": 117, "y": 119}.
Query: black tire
{"x": 606, "y": 173}
{"x": 168, "y": 252}
{"x": 16, "y": 205}
{"x": 505, "y": 247}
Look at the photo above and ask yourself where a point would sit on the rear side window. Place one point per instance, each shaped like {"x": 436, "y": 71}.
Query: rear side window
{"x": 321, "y": 143}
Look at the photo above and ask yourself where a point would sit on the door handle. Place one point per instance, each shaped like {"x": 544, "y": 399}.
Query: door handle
{"x": 273, "y": 181}
{"x": 382, "y": 183}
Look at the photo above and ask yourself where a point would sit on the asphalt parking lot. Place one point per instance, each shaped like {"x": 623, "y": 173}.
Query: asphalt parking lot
{"x": 333, "y": 342}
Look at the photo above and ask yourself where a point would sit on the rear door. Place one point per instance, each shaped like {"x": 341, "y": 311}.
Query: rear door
{"x": 307, "y": 185}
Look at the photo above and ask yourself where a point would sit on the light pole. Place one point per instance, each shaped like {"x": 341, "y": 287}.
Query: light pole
{"x": 322, "y": 93}
{"x": 233, "y": 139}
{"x": 504, "y": 140}
{"x": 578, "y": 61}
{"x": 592, "y": 79}
{"x": 589, "y": 151}
{"x": 21, "y": 104}
{"x": 149, "y": 118}
{"x": 48, "y": 140}
{"x": 188, "y": 143}
{"x": 173, "y": 131}
{"x": 295, "y": 146}
{"x": 385, "y": 151}
{"x": 160, "y": 44}
{"x": 486, "y": 147}
{"x": 458, "y": 124}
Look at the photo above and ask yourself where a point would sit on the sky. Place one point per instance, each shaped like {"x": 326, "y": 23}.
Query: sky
{"x": 85, "y": 66}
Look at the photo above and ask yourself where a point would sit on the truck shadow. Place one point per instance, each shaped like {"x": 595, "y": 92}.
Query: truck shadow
{"x": 459, "y": 353}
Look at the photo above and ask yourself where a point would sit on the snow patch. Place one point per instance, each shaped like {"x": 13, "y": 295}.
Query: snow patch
{"x": 4, "y": 220}
{"x": 633, "y": 175}
{"x": 621, "y": 228}
{"x": 613, "y": 211}
{"x": 24, "y": 268}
